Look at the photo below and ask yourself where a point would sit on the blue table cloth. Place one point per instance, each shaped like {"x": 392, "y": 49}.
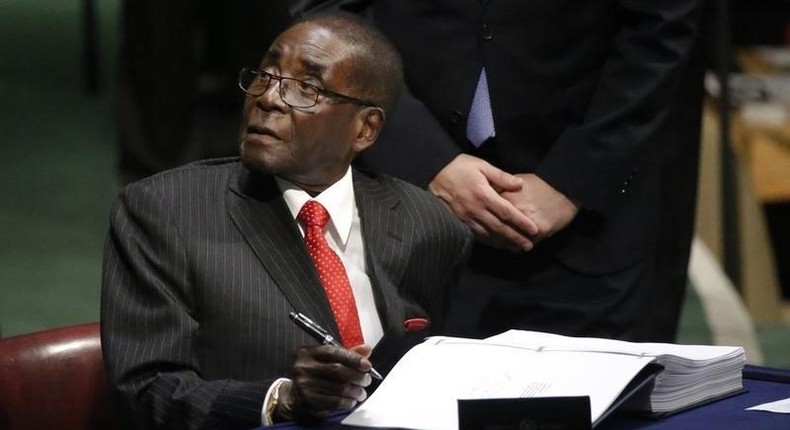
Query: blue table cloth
{"x": 762, "y": 385}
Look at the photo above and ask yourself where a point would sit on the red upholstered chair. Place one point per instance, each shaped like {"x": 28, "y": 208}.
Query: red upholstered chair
{"x": 54, "y": 380}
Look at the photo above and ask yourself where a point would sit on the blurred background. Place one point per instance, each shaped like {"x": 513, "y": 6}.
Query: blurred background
{"x": 87, "y": 107}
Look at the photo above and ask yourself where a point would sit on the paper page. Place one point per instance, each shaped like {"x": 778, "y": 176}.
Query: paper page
{"x": 421, "y": 392}
{"x": 554, "y": 341}
{"x": 779, "y": 406}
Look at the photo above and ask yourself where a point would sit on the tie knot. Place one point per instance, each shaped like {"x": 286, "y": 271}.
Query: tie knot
{"x": 313, "y": 214}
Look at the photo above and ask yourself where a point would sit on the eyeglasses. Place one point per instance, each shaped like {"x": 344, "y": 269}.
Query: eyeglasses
{"x": 293, "y": 92}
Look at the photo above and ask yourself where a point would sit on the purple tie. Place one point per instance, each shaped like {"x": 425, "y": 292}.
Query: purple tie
{"x": 480, "y": 126}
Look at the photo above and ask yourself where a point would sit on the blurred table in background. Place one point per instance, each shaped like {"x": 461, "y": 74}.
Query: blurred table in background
{"x": 761, "y": 126}
{"x": 760, "y": 139}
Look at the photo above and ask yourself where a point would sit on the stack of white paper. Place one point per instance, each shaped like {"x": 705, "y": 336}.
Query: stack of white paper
{"x": 422, "y": 390}
{"x": 692, "y": 374}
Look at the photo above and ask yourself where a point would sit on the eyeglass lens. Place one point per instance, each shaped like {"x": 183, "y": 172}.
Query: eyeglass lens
{"x": 293, "y": 92}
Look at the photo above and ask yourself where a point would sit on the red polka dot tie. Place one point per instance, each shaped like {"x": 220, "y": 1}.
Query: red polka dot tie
{"x": 332, "y": 273}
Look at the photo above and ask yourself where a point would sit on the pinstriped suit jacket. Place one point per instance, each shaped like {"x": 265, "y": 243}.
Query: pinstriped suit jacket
{"x": 203, "y": 264}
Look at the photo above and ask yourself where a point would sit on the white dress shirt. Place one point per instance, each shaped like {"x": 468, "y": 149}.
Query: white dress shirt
{"x": 344, "y": 234}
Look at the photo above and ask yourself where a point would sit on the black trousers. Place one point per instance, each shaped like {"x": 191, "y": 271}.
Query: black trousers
{"x": 500, "y": 290}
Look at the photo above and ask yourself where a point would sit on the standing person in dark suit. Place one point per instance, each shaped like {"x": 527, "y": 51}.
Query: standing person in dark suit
{"x": 542, "y": 125}
{"x": 204, "y": 263}
{"x": 177, "y": 100}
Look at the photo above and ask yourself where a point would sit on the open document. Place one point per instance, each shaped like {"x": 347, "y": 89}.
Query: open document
{"x": 692, "y": 375}
{"x": 422, "y": 390}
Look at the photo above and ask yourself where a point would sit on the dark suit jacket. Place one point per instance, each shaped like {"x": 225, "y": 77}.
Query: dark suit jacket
{"x": 203, "y": 264}
{"x": 580, "y": 91}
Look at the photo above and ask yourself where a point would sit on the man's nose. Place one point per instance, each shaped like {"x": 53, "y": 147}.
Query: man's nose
{"x": 271, "y": 99}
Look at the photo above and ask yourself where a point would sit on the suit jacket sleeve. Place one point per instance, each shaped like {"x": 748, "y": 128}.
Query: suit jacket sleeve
{"x": 594, "y": 161}
{"x": 411, "y": 131}
{"x": 149, "y": 332}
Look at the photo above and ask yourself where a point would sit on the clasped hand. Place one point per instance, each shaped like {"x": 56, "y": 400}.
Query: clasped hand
{"x": 503, "y": 210}
{"x": 325, "y": 379}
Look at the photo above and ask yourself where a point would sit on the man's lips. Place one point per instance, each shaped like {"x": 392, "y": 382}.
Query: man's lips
{"x": 262, "y": 130}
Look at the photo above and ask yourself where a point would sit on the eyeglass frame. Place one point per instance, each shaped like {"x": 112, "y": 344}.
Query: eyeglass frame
{"x": 319, "y": 91}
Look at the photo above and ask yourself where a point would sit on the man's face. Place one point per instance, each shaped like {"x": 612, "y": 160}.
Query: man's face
{"x": 311, "y": 147}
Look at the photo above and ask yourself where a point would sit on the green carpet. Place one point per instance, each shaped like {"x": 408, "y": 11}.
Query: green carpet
{"x": 58, "y": 176}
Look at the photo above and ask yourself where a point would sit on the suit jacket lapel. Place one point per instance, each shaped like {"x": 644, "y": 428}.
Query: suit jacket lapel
{"x": 386, "y": 233}
{"x": 257, "y": 209}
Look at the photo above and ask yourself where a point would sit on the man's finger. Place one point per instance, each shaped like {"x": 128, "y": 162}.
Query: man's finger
{"x": 327, "y": 393}
{"x": 497, "y": 231}
{"x": 507, "y": 213}
{"x": 500, "y": 180}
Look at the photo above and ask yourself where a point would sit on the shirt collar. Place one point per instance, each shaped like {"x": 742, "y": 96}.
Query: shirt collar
{"x": 338, "y": 200}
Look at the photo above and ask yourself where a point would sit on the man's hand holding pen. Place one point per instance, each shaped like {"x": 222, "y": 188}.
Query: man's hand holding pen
{"x": 325, "y": 378}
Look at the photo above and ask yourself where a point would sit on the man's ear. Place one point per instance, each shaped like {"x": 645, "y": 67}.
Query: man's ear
{"x": 369, "y": 122}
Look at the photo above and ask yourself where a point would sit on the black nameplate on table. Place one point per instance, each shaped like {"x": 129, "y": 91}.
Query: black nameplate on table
{"x": 534, "y": 413}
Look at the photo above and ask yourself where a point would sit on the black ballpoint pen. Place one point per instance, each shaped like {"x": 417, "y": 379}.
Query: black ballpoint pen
{"x": 320, "y": 334}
